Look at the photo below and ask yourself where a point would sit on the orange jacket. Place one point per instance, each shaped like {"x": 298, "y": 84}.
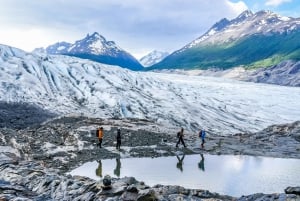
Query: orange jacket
{"x": 100, "y": 134}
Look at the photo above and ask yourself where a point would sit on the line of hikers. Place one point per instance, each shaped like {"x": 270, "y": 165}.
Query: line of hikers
{"x": 100, "y": 133}
{"x": 202, "y": 135}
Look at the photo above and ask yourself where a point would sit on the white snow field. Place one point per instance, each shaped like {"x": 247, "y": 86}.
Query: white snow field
{"x": 67, "y": 85}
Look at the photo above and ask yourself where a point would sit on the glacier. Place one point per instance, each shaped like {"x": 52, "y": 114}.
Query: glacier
{"x": 72, "y": 86}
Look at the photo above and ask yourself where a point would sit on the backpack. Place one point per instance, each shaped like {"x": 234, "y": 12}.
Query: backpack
{"x": 178, "y": 134}
{"x": 97, "y": 133}
{"x": 203, "y": 134}
{"x": 118, "y": 135}
{"x": 200, "y": 134}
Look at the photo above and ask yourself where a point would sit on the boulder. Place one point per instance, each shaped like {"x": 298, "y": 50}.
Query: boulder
{"x": 292, "y": 190}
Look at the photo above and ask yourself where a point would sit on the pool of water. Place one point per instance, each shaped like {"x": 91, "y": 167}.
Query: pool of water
{"x": 230, "y": 175}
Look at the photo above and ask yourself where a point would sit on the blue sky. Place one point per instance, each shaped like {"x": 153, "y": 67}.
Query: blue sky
{"x": 137, "y": 26}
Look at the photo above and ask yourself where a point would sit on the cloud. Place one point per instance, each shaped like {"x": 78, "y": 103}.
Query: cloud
{"x": 137, "y": 26}
{"x": 276, "y": 3}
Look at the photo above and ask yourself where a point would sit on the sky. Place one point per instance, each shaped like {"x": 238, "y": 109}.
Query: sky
{"x": 137, "y": 26}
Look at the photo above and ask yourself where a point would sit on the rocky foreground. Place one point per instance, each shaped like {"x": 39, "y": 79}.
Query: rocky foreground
{"x": 34, "y": 160}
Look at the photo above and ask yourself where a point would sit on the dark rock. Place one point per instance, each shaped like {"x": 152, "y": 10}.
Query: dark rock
{"x": 147, "y": 195}
{"x": 129, "y": 180}
{"x": 21, "y": 115}
{"x": 132, "y": 188}
{"x": 292, "y": 190}
{"x": 183, "y": 197}
{"x": 107, "y": 181}
{"x": 128, "y": 196}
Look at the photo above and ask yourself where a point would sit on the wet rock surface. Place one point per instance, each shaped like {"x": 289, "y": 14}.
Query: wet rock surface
{"x": 33, "y": 160}
{"x": 275, "y": 141}
{"x": 21, "y": 115}
{"x": 292, "y": 190}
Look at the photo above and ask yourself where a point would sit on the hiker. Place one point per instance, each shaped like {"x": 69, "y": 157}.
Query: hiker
{"x": 118, "y": 146}
{"x": 180, "y": 137}
{"x": 180, "y": 162}
{"x": 100, "y": 136}
{"x": 202, "y": 135}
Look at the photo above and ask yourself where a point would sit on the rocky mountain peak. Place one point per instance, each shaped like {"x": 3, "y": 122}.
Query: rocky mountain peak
{"x": 223, "y": 23}
{"x": 245, "y": 14}
{"x": 242, "y": 17}
{"x": 220, "y": 25}
{"x": 153, "y": 58}
{"x": 258, "y": 39}
{"x": 95, "y": 47}
{"x": 94, "y": 37}
{"x": 95, "y": 44}
{"x": 247, "y": 23}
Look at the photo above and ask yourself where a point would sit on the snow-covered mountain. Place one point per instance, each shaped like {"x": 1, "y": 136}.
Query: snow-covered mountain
{"x": 153, "y": 58}
{"x": 60, "y": 48}
{"x": 96, "y": 48}
{"x": 252, "y": 39}
{"x": 246, "y": 24}
{"x": 69, "y": 85}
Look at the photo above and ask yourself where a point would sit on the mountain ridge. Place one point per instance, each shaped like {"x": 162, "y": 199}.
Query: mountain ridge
{"x": 96, "y": 48}
{"x": 257, "y": 39}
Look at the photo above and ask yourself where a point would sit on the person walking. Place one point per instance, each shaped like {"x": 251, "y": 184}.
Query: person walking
{"x": 118, "y": 146}
{"x": 202, "y": 135}
{"x": 180, "y": 138}
{"x": 100, "y": 136}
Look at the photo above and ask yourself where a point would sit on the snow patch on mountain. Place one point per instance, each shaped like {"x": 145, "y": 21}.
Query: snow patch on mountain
{"x": 153, "y": 58}
{"x": 58, "y": 48}
{"x": 68, "y": 85}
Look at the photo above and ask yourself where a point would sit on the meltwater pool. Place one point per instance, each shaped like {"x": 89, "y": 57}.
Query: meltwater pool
{"x": 225, "y": 174}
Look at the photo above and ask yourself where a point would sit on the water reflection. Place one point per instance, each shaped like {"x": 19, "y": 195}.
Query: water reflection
{"x": 99, "y": 169}
{"x": 118, "y": 167}
{"x": 180, "y": 162}
{"x": 220, "y": 174}
{"x": 201, "y": 163}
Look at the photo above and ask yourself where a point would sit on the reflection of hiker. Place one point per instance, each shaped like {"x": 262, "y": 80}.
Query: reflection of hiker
{"x": 100, "y": 136}
{"x": 202, "y": 135}
{"x": 201, "y": 163}
{"x": 99, "y": 169}
{"x": 180, "y": 162}
{"x": 180, "y": 137}
{"x": 118, "y": 146}
{"x": 118, "y": 167}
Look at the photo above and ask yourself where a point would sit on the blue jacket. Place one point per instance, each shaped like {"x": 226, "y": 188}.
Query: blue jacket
{"x": 203, "y": 133}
